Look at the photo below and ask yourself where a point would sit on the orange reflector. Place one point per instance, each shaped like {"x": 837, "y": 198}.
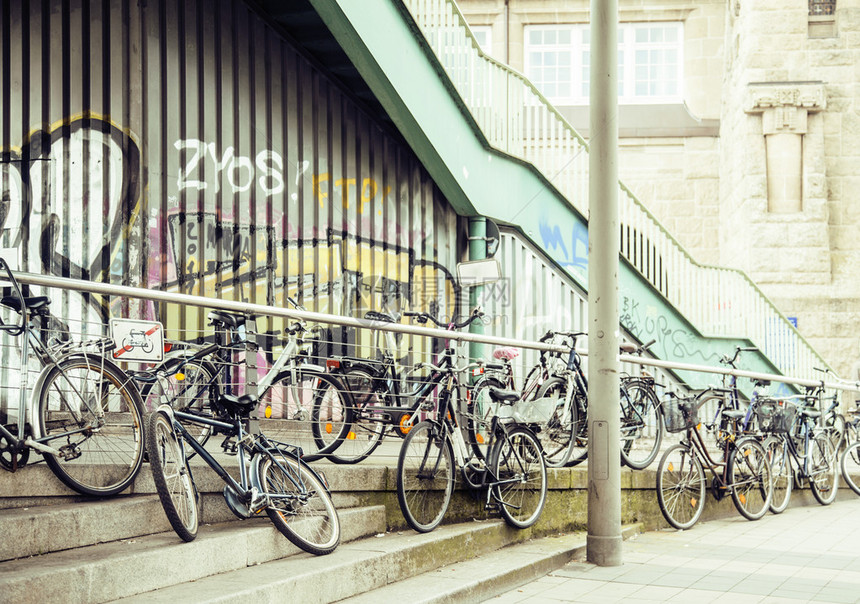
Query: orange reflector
{"x": 179, "y": 376}
{"x": 268, "y": 411}
{"x": 350, "y": 435}
{"x": 747, "y": 453}
{"x": 671, "y": 467}
{"x": 742, "y": 499}
{"x": 328, "y": 428}
{"x": 693, "y": 502}
{"x": 404, "y": 424}
{"x": 479, "y": 438}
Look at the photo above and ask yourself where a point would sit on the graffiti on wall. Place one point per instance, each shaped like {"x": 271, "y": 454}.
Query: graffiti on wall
{"x": 566, "y": 244}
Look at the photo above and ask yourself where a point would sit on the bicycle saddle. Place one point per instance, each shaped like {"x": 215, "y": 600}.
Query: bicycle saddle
{"x": 373, "y": 315}
{"x": 225, "y": 318}
{"x": 34, "y": 303}
{"x": 500, "y": 395}
{"x": 238, "y": 405}
{"x": 734, "y": 413}
{"x": 810, "y": 413}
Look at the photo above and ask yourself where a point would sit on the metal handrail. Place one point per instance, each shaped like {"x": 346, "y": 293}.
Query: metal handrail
{"x": 316, "y": 317}
{"x": 514, "y": 117}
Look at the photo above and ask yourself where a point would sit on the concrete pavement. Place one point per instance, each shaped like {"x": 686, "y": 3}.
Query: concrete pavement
{"x": 806, "y": 554}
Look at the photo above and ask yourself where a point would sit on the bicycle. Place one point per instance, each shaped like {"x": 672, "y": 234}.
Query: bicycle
{"x": 744, "y": 471}
{"x": 797, "y": 442}
{"x": 380, "y": 398}
{"x": 87, "y": 417}
{"x": 513, "y": 473}
{"x": 273, "y": 477}
{"x": 641, "y": 424}
{"x": 190, "y": 380}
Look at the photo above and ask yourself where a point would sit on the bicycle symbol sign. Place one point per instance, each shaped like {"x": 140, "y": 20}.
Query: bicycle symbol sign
{"x": 137, "y": 340}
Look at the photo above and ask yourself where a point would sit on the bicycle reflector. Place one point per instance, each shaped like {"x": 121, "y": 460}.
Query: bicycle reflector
{"x": 168, "y": 346}
{"x": 477, "y": 371}
{"x": 179, "y": 376}
{"x": 332, "y": 364}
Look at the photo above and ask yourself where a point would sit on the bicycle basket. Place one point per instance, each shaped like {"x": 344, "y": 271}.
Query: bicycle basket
{"x": 775, "y": 416}
{"x": 679, "y": 414}
{"x": 538, "y": 411}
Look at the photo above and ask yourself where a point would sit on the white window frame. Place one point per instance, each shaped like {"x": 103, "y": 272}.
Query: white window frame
{"x": 579, "y": 49}
{"x": 484, "y": 32}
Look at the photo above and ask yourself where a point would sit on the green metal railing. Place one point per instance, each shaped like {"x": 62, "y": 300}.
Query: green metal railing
{"x": 517, "y": 119}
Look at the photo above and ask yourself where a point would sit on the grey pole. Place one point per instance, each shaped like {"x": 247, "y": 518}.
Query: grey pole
{"x": 603, "y": 546}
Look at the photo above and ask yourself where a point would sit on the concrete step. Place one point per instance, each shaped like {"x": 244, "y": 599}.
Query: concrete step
{"x": 108, "y": 571}
{"x": 376, "y": 566}
{"x": 486, "y": 577}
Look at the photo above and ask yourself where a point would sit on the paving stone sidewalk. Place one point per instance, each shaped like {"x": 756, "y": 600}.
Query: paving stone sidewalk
{"x": 806, "y": 554}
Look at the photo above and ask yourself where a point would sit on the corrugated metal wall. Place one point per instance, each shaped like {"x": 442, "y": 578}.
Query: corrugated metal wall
{"x": 186, "y": 146}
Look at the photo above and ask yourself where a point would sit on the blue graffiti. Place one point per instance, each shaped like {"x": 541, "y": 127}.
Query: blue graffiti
{"x": 572, "y": 252}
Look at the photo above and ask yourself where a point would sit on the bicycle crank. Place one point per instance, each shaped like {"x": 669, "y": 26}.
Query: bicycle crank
{"x": 12, "y": 457}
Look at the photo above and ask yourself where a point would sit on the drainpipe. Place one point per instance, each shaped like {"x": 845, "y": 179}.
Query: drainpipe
{"x": 477, "y": 251}
{"x": 603, "y": 545}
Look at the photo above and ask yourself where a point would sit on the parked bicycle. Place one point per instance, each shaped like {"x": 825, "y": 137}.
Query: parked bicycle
{"x": 191, "y": 380}
{"x": 87, "y": 418}
{"x": 382, "y": 397}
{"x": 273, "y": 477}
{"x": 744, "y": 472}
{"x": 513, "y": 473}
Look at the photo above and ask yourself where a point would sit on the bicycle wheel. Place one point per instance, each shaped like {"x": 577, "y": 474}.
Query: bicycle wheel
{"x": 558, "y": 435}
{"x": 519, "y": 467}
{"x": 364, "y": 432}
{"x": 750, "y": 478}
{"x": 481, "y": 409}
{"x": 300, "y": 505}
{"x": 835, "y": 425}
{"x": 176, "y": 489}
{"x": 187, "y": 387}
{"x": 425, "y": 476}
{"x": 824, "y": 472}
{"x": 680, "y": 486}
{"x": 90, "y": 410}
{"x": 850, "y": 465}
{"x": 287, "y": 411}
{"x": 641, "y": 425}
{"x": 781, "y": 473}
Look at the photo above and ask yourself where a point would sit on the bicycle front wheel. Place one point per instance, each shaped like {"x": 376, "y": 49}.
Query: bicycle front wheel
{"x": 781, "y": 472}
{"x": 824, "y": 469}
{"x": 481, "y": 409}
{"x": 680, "y": 486}
{"x": 176, "y": 490}
{"x": 751, "y": 483}
{"x": 641, "y": 426}
{"x": 519, "y": 470}
{"x": 300, "y": 505}
{"x": 425, "y": 476}
{"x": 850, "y": 465}
{"x": 363, "y": 432}
{"x": 91, "y": 411}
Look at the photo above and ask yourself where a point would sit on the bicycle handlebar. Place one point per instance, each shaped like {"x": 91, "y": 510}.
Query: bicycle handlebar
{"x": 422, "y": 317}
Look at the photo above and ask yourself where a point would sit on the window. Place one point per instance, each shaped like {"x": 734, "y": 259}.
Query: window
{"x": 484, "y": 37}
{"x": 650, "y": 62}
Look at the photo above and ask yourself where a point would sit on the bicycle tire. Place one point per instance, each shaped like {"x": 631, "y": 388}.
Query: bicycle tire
{"x": 106, "y": 452}
{"x": 480, "y": 411}
{"x": 188, "y": 387}
{"x": 308, "y": 517}
{"x": 639, "y": 416}
{"x": 836, "y": 427}
{"x": 781, "y": 473}
{"x": 362, "y": 434}
{"x": 172, "y": 477}
{"x": 680, "y": 486}
{"x": 286, "y": 411}
{"x": 850, "y": 466}
{"x": 425, "y": 476}
{"x": 750, "y": 478}
{"x": 557, "y": 436}
{"x": 519, "y": 458}
{"x": 824, "y": 477}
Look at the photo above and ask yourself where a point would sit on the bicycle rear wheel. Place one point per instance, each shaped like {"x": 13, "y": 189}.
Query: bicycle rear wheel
{"x": 91, "y": 411}
{"x": 362, "y": 433}
{"x": 641, "y": 425}
{"x": 781, "y": 472}
{"x": 680, "y": 486}
{"x": 520, "y": 469}
{"x": 850, "y": 465}
{"x": 288, "y": 407}
{"x": 425, "y": 476}
{"x": 300, "y": 505}
{"x": 187, "y": 387}
{"x": 176, "y": 489}
{"x": 824, "y": 472}
{"x": 751, "y": 483}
